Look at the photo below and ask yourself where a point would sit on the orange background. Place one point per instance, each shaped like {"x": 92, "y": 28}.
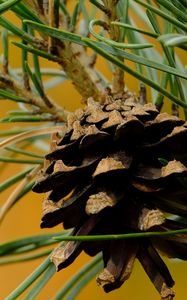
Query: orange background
{"x": 24, "y": 219}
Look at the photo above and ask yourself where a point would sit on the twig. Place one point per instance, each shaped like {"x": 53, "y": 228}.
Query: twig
{"x": 51, "y": 23}
{"x": 143, "y": 94}
{"x": 114, "y": 32}
{"x": 74, "y": 61}
{"x": 175, "y": 110}
{"x": 58, "y": 112}
{"x": 25, "y": 135}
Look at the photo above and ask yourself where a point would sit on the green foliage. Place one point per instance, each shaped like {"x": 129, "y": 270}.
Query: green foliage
{"x": 6, "y": 5}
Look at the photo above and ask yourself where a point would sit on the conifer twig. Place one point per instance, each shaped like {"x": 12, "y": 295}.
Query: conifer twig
{"x": 114, "y": 32}
{"x": 7, "y": 82}
{"x": 74, "y": 60}
{"x": 24, "y": 135}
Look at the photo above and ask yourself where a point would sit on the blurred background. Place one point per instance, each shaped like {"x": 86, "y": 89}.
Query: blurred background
{"x": 24, "y": 218}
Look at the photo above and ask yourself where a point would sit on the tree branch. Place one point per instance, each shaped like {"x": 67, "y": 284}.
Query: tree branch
{"x": 74, "y": 60}
{"x": 6, "y": 82}
{"x": 114, "y": 32}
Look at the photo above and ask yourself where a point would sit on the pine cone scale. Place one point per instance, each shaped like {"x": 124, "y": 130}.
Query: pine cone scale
{"x": 158, "y": 273}
{"x": 118, "y": 266}
{"x": 72, "y": 249}
{"x": 67, "y": 211}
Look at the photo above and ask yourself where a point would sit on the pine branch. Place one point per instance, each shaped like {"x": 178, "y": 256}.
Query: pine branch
{"x": 92, "y": 155}
{"x": 7, "y": 82}
{"x": 115, "y": 35}
{"x": 74, "y": 60}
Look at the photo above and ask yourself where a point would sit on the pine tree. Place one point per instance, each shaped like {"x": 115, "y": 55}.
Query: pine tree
{"x": 115, "y": 174}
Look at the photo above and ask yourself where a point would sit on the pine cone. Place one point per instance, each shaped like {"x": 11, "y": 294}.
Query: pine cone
{"x": 117, "y": 169}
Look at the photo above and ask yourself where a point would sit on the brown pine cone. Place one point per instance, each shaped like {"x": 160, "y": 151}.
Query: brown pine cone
{"x": 117, "y": 169}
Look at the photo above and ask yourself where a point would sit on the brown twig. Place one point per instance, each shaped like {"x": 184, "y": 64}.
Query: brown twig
{"x": 28, "y": 134}
{"x": 74, "y": 61}
{"x": 143, "y": 94}
{"x": 175, "y": 110}
{"x": 7, "y": 82}
{"x": 114, "y": 32}
{"x": 51, "y": 23}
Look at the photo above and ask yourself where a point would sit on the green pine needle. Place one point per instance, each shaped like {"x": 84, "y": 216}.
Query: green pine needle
{"x": 75, "y": 38}
{"x": 79, "y": 279}
{"x": 8, "y": 95}
{"x": 163, "y": 14}
{"x": 6, "y": 5}
{"x": 135, "y": 74}
{"x": 121, "y": 236}
{"x": 29, "y": 280}
{"x": 23, "y": 258}
{"x": 20, "y": 161}
{"x": 9, "y": 182}
{"x": 24, "y": 152}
